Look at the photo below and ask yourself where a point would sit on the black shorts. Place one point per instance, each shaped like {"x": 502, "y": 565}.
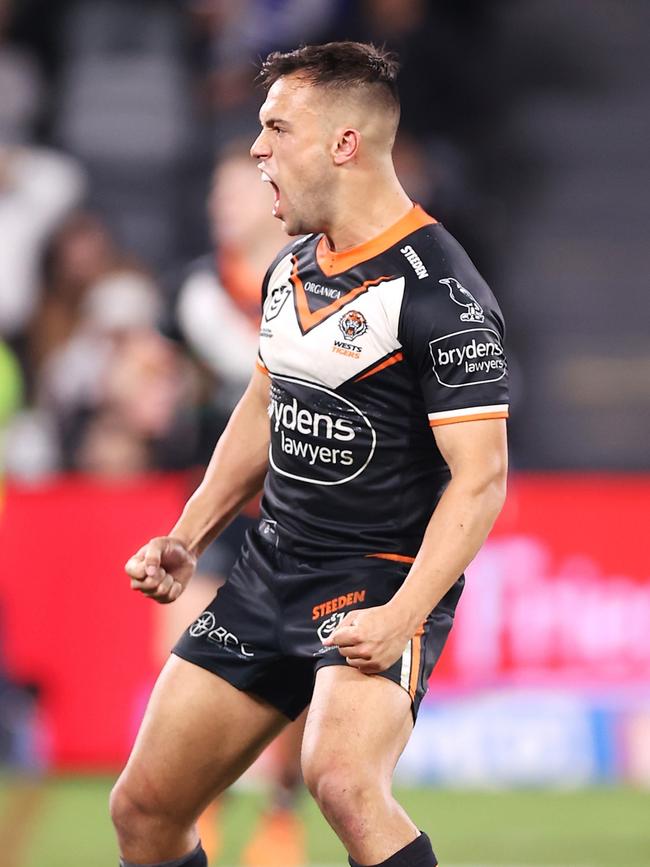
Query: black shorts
{"x": 263, "y": 631}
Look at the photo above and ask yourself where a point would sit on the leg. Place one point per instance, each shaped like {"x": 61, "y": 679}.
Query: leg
{"x": 356, "y": 730}
{"x": 198, "y": 735}
{"x": 171, "y": 621}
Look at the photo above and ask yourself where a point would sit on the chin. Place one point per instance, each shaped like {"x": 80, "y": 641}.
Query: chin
{"x": 294, "y": 226}
{"x": 291, "y": 227}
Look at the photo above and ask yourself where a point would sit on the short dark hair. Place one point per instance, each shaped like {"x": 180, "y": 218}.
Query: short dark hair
{"x": 338, "y": 66}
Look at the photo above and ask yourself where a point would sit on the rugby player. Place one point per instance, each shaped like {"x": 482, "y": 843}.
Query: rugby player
{"x": 377, "y": 332}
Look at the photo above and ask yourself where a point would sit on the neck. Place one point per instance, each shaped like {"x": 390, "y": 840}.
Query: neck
{"x": 372, "y": 203}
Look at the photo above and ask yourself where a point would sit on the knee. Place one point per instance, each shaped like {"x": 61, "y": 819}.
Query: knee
{"x": 125, "y": 809}
{"x": 346, "y": 797}
{"x": 133, "y": 815}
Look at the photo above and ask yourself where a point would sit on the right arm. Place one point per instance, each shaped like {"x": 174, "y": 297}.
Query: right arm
{"x": 235, "y": 473}
{"x": 163, "y": 567}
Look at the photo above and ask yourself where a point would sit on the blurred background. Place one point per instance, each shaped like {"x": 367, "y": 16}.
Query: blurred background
{"x": 134, "y": 233}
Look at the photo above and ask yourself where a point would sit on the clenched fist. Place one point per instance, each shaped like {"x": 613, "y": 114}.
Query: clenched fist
{"x": 161, "y": 569}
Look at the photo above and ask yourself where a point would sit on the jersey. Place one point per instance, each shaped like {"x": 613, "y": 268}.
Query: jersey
{"x": 367, "y": 350}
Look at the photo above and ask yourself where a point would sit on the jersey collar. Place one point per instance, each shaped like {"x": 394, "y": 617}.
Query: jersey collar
{"x": 330, "y": 262}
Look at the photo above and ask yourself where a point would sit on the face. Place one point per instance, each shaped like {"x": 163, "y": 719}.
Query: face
{"x": 294, "y": 155}
{"x": 236, "y": 180}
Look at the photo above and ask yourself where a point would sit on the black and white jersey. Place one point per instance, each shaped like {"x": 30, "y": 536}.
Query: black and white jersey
{"x": 368, "y": 349}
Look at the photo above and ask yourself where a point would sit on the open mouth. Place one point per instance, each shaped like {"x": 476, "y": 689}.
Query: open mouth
{"x": 276, "y": 192}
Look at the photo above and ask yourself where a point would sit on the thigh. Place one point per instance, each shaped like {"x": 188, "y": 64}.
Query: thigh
{"x": 358, "y": 722}
{"x": 198, "y": 735}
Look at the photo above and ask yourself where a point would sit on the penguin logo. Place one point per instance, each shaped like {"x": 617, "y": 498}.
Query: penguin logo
{"x": 463, "y": 297}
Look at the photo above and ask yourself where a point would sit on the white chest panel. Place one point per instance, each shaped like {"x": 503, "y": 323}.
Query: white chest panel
{"x": 345, "y": 342}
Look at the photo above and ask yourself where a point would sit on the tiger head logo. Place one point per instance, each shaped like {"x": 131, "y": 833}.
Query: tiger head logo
{"x": 353, "y": 324}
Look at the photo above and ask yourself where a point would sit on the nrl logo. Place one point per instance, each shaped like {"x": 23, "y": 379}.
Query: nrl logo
{"x": 328, "y": 626}
{"x": 276, "y": 299}
{"x": 464, "y": 298}
{"x": 353, "y": 324}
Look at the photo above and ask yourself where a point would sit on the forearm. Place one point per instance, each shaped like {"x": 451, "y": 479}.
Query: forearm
{"x": 457, "y": 529}
{"x": 234, "y": 475}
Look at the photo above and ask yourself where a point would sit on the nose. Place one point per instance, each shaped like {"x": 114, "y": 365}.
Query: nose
{"x": 260, "y": 149}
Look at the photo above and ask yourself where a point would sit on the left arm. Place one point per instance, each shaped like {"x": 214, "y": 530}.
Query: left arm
{"x": 373, "y": 639}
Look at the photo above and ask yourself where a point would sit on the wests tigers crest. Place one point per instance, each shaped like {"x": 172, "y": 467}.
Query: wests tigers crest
{"x": 353, "y": 324}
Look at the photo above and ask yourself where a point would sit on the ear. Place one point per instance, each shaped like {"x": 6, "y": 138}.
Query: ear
{"x": 346, "y": 146}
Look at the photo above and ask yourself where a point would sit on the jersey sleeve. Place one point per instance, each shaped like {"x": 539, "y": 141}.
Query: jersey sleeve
{"x": 452, "y": 332}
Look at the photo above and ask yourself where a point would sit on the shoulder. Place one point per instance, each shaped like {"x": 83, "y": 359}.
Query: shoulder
{"x": 443, "y": 286}
{"x": 441, "y": 269}
{"x": 434, "y": 255}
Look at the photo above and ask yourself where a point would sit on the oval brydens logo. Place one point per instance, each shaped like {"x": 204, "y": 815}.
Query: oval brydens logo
{"x": 470, "y": 357}
{"x": 353, "y": 324}
{"x": 317, "y": 436}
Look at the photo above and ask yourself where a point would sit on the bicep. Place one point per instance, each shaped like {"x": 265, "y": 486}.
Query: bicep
{"x": 258, "y": 387}
{"x": 474, "y": 449}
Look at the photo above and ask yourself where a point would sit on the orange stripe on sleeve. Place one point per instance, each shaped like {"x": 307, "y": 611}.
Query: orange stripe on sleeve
{"x": 478, "y": 417}
{"x": 261, "y": 367}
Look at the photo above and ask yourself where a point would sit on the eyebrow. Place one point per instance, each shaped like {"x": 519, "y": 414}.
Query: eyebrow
{"x": 271, "y": 121}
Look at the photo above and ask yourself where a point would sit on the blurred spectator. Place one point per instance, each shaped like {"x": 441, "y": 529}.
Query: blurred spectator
{"x": 80, "y": 252}
{"x": 111, "y": 450}
{"x": 37, "y": 188}
{"x": 116, "y": 387}
{"x": 153, "y": 389}
{"x": 218, "y": 306}
{"x": 32, "y": 446}
{"x": 71, "y": 376}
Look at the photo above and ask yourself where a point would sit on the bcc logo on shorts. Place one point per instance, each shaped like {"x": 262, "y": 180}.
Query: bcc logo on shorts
{"x": 205, "y": 625}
